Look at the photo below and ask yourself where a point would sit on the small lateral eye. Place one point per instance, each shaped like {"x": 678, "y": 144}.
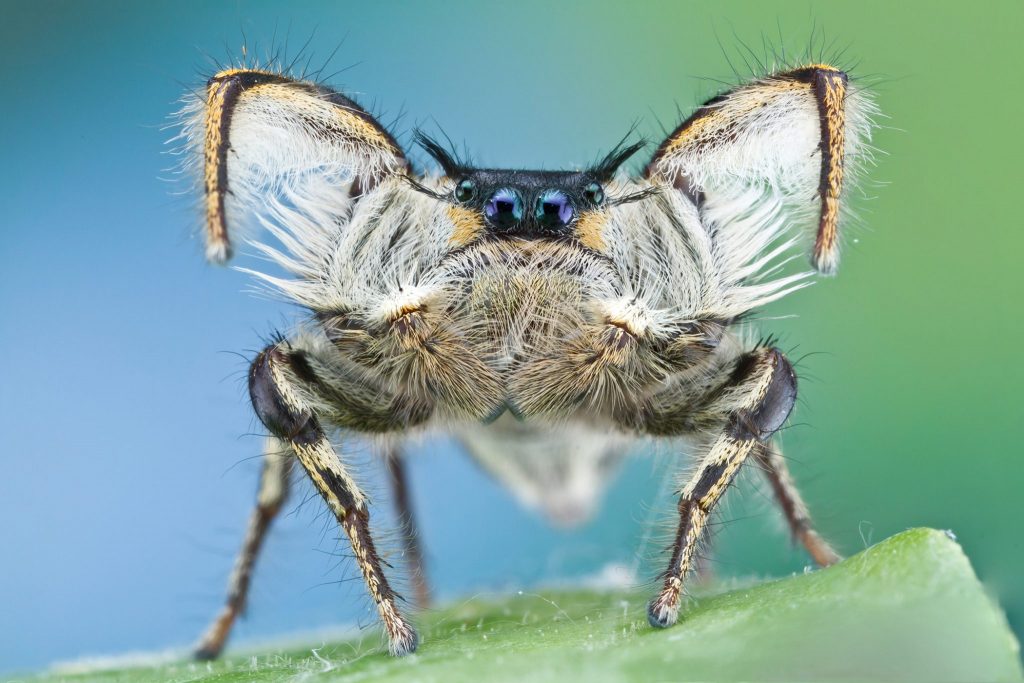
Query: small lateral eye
{"x": 594, "y": 193}
{"x": 465, "y": 190}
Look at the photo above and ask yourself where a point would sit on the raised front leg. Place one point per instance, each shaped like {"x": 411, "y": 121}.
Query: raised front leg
{"x": 262, "y": 135}
{"x": 279, "y": 384}
{"x": 751, "y": 406}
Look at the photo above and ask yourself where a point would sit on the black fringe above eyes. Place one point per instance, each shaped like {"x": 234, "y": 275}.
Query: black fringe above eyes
{"x": 449, "y": 163}
{"x": 605, "y": 169}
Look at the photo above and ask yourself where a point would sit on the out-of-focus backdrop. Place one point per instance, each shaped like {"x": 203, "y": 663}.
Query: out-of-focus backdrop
{"x": 127, "y": 467}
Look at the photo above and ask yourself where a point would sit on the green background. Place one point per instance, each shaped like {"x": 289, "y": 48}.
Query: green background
{"x": 118, "y": 443}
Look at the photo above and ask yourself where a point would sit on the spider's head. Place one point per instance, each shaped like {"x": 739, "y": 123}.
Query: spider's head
{"x": 501, "y": 203}
{"x": 528, "y": 204}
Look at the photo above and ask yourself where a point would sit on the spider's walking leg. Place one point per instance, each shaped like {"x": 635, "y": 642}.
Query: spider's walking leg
{"x": 793, "y": 505}
{"x": 277, "y": 396}
{"x": 756, "y": 401}
{"x": 273, "y": 491}
{"x": 399, "y": 481}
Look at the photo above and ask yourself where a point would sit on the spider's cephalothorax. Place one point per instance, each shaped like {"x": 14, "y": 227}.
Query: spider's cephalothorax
{"x": 549, "y": 319}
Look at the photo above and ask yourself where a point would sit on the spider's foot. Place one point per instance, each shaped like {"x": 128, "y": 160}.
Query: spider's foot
{"x": 819, "y": 549}
{"x": 663, "y": 611}
{"x": 206, "y": 653}
{"x": 218, "y": 252}
{"x": 402, "y": 640}
{"x": 212, "y": 643}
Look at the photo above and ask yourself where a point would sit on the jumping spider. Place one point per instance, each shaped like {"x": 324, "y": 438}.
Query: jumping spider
{"x": 548, "y": 319}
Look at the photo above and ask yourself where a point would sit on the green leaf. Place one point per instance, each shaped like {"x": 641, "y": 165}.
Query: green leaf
{"x": 909, "y": 608}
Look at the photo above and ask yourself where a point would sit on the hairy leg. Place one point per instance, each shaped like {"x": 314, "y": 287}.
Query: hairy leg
{"x": 753, "y": 404}
{"x": 793, "y": 506}
{"x": 273, "y": 491}
{"x": 281, "y": 385}
{"x": 398, "y": 479}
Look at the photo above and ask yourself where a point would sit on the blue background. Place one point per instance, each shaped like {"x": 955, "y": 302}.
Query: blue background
{"x": 127, "y": 463}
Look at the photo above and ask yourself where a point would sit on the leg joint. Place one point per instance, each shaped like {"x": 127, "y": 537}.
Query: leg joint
{"x": 280, "y": 416}
{"x": 775, "y": 401}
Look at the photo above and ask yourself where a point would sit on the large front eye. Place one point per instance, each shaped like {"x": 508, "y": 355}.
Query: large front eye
{"x": 554, "y": 209}
{"x": 504, "y": 209}
{"x": 465, "y": 191}
{"x": 594, "y": 194}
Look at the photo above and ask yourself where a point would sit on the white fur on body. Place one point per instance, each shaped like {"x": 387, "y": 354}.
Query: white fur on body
{"x": 509, "y": 306}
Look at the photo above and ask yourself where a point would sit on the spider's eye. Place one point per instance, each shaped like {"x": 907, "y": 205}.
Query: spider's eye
{"x": 594, "y": 193}
{"x": 465, "y": 190}
{"x": 554, "y": 209}
{"x": 504, "y": 209}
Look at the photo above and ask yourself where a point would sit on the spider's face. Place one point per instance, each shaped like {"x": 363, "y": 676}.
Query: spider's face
{"x": 528, "y": 204}
{"x": 486, "y": 205}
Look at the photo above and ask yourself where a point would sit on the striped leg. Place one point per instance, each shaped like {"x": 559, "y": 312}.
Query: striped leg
{"x": 277, "y": 396}
{"x": 273, "y": 491}
{"x": 793, "y": 505}
{"x": 398, "y": 478}
{"x": 802, "y": 132}
{"x": 756, "y": 402}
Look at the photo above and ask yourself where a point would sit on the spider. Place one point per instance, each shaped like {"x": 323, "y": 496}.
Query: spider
{"x": 549, "y": 319}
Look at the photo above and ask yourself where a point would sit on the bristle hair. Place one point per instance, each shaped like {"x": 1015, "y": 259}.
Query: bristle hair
{"x": 448, "y": 161}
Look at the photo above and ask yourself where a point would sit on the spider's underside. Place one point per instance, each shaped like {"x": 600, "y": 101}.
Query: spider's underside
{"x": 549, "y": 319}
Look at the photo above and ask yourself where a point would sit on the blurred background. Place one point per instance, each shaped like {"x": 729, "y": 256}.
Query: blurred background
{"x": 128, "y": 469}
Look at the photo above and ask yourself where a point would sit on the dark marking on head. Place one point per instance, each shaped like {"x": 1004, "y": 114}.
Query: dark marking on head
{"x": 528, "y": 204}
